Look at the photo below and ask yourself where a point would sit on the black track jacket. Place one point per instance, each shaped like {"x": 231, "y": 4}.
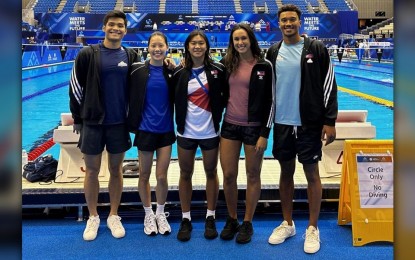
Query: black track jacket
{"x": 261, "y": 93}
{"x": 216, "y": 77}
{"x": 85, "y": 96}
{"x": 140, "y": 73}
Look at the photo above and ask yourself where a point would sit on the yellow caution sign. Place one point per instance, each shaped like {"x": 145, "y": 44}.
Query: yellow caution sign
{"x": 366, "y": 190}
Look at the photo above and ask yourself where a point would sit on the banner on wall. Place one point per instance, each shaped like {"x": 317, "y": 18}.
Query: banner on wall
{"x": 30, "y": 59}
{"x": 51, "y": 55}
{"x": 140, "y": 25}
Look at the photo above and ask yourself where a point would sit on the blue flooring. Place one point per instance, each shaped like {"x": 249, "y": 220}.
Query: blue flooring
{"x": 62, "y": 239}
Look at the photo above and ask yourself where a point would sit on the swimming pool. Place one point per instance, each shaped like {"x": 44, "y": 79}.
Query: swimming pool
{"x": 45, "y": 97}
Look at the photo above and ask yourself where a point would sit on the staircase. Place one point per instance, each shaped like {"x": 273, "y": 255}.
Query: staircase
{"x": 238, "y": 8}
{"x": 279, "y": 3}
{"x": 119, "y": 5}
{"x": 162, "y": 7}
{"x": 31, "y": 4}
{"x": 323, "y": 7}
{"x": 195, "y": 6}
{"x": 61, "y": 6}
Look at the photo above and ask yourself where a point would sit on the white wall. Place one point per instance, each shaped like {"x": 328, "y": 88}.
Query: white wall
{"x": 367, "y": 8}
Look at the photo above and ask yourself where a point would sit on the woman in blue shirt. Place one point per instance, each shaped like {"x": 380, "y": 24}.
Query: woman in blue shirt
{"x": 151, "y": 119}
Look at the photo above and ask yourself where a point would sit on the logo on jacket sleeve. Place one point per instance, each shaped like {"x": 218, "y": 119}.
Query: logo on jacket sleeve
{"x": 214, "y": 73}
{"x": 309, "y": 58}
{"x": 260, "y": 74}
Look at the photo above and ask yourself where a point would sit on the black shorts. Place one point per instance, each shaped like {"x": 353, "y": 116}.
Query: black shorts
{"x": 246, "y": 134}
{"x": 146, "y": 141}
{"x": 307, "y": 144}
{"x": 93, "y": 139}
{"x": 192, "y": 144}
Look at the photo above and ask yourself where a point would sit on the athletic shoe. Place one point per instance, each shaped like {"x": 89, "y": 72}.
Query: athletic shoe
{"x": 185, "y": 230}
{"x": 312, "y": 240}
{"x": 150, "y": 226}
{"x": 114, "y": 224}
{"x": 245, "y": 233}
{"x": 230, "y": 229}
{"x": 210, "y": 228}
{"x": 282, "y": 232}
{"x": 91, "y": 230}
{"x": 162, "y": 224}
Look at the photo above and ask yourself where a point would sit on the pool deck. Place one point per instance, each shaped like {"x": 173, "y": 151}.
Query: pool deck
{"x": 37, "y": 195}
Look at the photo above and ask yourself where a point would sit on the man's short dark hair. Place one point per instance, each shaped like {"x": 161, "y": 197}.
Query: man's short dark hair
{"x": 115, "y": 14}
{"x": 289, "y": 8}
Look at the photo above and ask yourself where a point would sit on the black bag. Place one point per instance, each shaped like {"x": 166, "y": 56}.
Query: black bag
{"x": 43, "y": 169}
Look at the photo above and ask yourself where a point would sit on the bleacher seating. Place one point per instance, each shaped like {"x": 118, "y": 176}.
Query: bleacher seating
{"x": 314, "y": 2}
{"x": 69, "y": 6}
{"x": 247, "y": 6}
{"x": 216, "y": 7}
{"x": 338, "y": 5}
{"x": 271, "y": 4}
{"x": 145, "y": 6}
{"x": 129, "y": 6}
{"x": 102, "y": 6}
{"x": 44, "y": 6}
{"x": 302, "y": 4}
{"x": 185, "y": 6}
{"x": 384, "y": 27}
{"x": 98, "y": 6}
{"x": 129, "y": 2}
{"x": 178, "y": 6}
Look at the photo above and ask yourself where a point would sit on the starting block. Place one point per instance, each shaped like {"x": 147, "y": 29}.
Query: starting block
{"x": 350, "y": 124}
{"x": 71, "y": 166}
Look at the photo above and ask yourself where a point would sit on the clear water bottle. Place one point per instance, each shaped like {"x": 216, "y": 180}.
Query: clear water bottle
{"x": 25, "y": 158}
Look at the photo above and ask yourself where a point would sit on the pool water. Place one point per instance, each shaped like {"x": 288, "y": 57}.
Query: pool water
{"x": 45, "y": 97}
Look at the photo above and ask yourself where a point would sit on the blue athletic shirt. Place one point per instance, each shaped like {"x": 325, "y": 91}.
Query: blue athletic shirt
{"x": 288, "y": 74}
{"x": 157, "y": 114}
{"x": 114, "y": 71}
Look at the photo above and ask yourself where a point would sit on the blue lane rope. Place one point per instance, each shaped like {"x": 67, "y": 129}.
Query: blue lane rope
{"x": 388, "y": 84}
{"x": 364, "y": 69}
{"x": 43, "y": 91}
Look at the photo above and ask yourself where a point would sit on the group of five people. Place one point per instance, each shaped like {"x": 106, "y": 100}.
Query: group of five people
{"x": 293, "y": 88}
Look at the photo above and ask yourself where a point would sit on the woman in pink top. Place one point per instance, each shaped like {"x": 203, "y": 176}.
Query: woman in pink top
{"x": 248, "y": 121}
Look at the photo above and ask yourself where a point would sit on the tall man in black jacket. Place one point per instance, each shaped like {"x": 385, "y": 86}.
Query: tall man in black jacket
{"x": 98, "y": 102}
{"x": 305, "y": 113}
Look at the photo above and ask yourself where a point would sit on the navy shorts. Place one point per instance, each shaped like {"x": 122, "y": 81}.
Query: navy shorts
{"x": 192, "y": 144}
{"x": 306, "y": 143}
{"x": 146, "y": 141}
{"x": 93, "y": 139}
{"x": 246, "y": 134}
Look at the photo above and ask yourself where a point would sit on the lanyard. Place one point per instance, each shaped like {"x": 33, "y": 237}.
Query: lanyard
{"x": 200, "y": 82}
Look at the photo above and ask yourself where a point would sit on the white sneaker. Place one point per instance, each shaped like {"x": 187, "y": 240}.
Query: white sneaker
{"x": 114, "y": 224}
{"x": 312, "y": 240}
{"x": 282, "y": 232}
{"x": 91, "y": 230}
{"x": 162, "y": 224}
{"x": 150, "y": 226}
